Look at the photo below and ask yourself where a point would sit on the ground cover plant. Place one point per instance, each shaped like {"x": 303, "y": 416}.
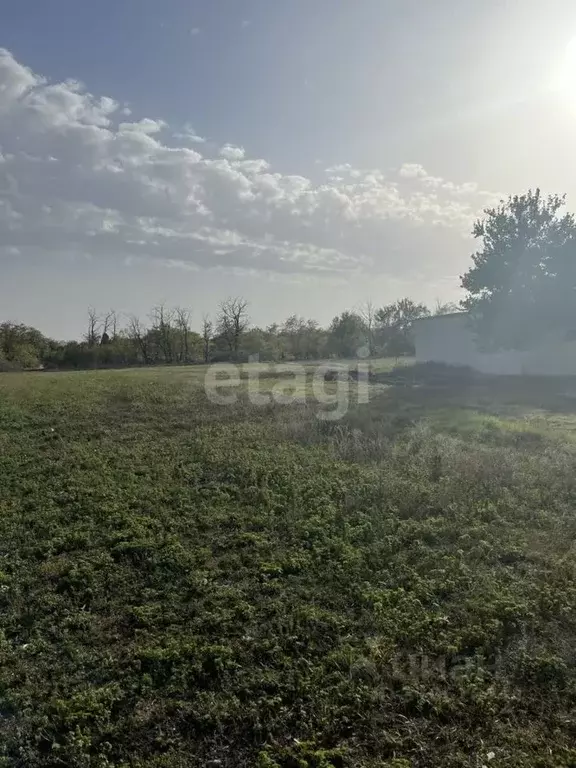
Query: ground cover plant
{"x": 187, "y": 584}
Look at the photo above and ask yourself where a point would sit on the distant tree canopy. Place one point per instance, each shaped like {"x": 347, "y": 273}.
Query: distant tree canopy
{"x": 522, "y": 285}
{"x": 166, "y": 337}
{"x": 386, "y": 331}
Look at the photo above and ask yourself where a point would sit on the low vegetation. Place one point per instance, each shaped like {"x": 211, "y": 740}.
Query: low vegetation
{"x": 183, "y": 583}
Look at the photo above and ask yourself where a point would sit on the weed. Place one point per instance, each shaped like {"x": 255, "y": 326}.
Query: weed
{"x": 183, "y": 583}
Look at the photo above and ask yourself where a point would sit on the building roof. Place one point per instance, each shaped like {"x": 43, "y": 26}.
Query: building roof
{"x": 441, "y": 317}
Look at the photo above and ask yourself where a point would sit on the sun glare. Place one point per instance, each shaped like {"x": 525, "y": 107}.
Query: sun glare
{"x": 566, "y": 79}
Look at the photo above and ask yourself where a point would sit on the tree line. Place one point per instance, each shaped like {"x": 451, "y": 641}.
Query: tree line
{"x": 167, "y": 337}
{"x": 520, "y": 290}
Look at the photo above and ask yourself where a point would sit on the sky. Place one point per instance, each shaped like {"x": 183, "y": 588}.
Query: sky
{"x": 307, "y": 155}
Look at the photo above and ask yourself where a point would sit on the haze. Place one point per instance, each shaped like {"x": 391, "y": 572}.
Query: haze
{"x": 307, "y": 156}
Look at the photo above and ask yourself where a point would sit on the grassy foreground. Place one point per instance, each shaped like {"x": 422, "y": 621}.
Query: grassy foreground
{"x": 187, "y": 584}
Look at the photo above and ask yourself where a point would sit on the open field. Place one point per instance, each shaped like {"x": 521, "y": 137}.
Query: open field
{"x": 184, "y": 583}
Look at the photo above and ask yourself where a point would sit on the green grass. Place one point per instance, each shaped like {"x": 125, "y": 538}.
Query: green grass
{"x": 187, "y": 584}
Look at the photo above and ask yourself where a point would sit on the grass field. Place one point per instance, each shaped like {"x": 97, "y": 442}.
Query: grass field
{"x": 189, "y": 584}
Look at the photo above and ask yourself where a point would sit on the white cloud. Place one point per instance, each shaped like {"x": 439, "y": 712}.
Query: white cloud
{"x": 195, "y": 31}
{"x": 230, "y": 152}
{"x": 76, "y": 178}
{"x": 143, "y": 126}
{"x": 412, "y": 171}
{"x": 188, "y": 134}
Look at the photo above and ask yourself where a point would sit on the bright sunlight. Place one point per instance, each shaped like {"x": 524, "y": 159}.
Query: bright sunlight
{"x": 566, "y": 79}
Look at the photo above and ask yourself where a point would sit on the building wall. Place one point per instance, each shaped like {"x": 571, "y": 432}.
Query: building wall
{"x": 556, "y": 358}
{"x": 448, "y": 339}
{"x": 444, "y": 339}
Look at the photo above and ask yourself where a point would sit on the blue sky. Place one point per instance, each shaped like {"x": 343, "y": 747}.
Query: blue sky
{"x": 308, "y": 154}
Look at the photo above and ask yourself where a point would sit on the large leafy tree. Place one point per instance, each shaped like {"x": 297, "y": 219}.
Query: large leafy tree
{"x": 22, "y": 346}
{"x": 522, "y": 285}
{"x": 394, "y": 326}
{"x": 348, "y": 335}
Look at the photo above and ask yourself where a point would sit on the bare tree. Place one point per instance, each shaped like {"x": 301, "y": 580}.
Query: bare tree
{"x": 445, "y": 308}
{"x": 232, "y": 322}
{"x": 92, "y": 334}
{"x": 138, "y": 335}
{"x": 162, "y": 320}
{"x": 110, "y": 324}
{"x": 109, "y": 327}
{"x": 367, "y": 312}
{"x": 115, "y": 322}
{"x": 183, "y": 326}
{"x": 207, "y": 333}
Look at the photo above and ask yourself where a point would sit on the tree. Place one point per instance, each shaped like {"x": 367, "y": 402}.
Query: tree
{"x": 299, "y": 339}
{"x": 446, "y": 308}
{"x": 183, "y": 328}
{"x": 233, "y": 322}
{"x": 162, "y": 333}
{"x": 109, "y": 327}
{"x": 255, "y": 344}
{"x": 522, "y": 284}
{"x": 348, "y": 335}
{"x": 207, "y": 334}
{"x": 93, "y": 330}
{"x": 394, "y": 326}
{"x": 367, "y": 312}
{"x": 275, "y": 349}
{"x": 22, "y": 346}
{"x": 139, "y": 336}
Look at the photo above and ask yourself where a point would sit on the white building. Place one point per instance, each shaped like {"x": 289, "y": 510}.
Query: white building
{"x": 450, "y": 339}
